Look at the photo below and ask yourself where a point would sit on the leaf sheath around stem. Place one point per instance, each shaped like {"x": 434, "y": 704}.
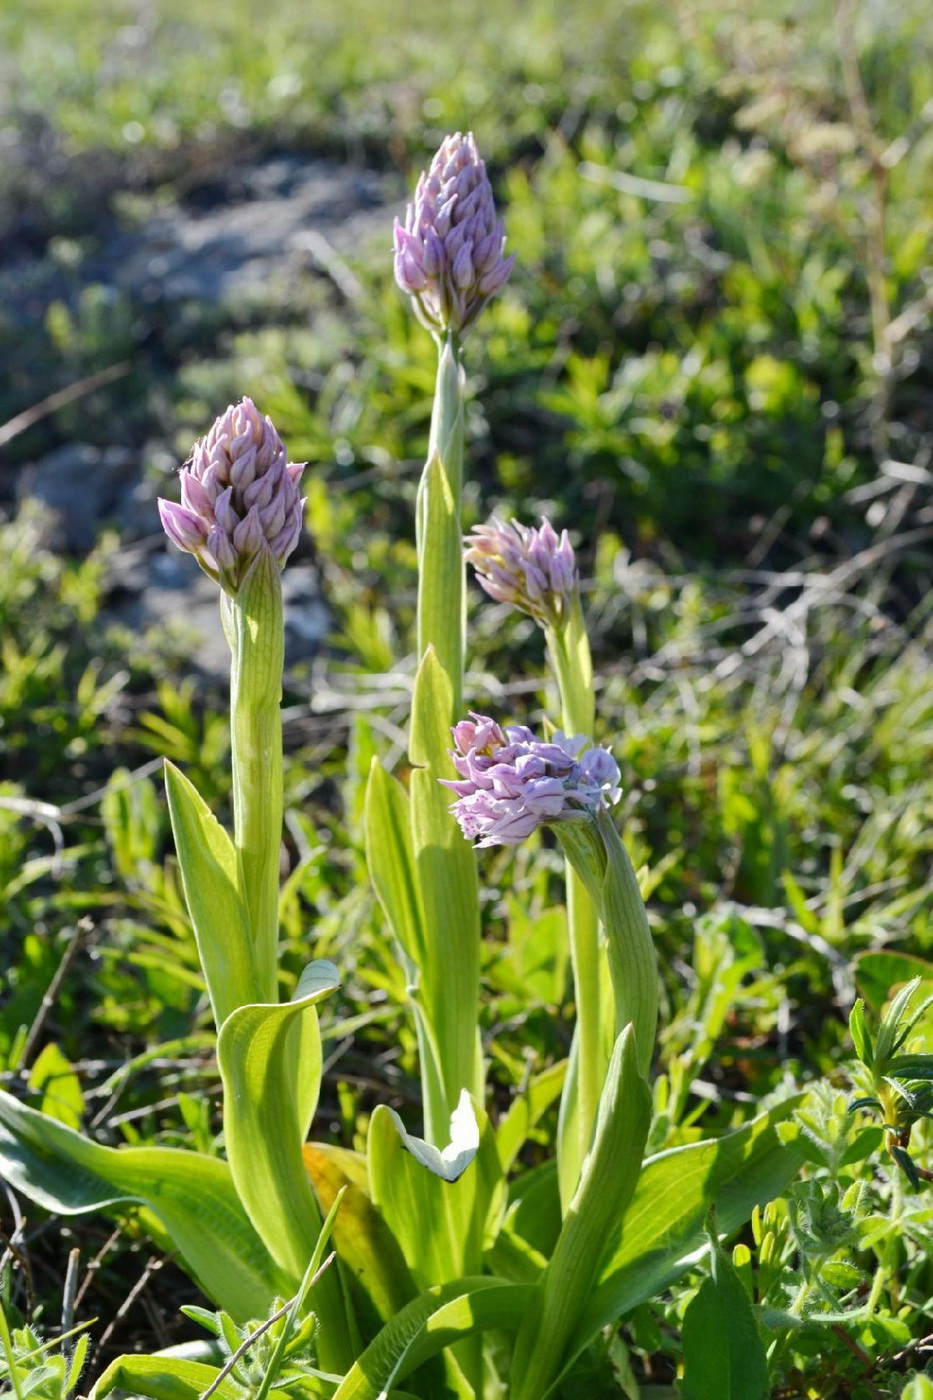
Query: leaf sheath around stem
{"x": 254, "y": 628}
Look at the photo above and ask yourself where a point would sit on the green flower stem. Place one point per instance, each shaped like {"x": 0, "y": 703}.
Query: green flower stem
{"x": 253, "y": 624}
{"x": 569, "y": 652}
{"x": 449, "y": 892}
{"x": 441, "y": 591}
{"x": 600, "y": 859}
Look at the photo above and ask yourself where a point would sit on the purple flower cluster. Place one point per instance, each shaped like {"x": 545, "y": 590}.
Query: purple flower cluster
{"x": 511, "y": 782}
{"x": 449, "y": 251}
{"x": 531, "y": 568}
{"x": 239, "y": 493}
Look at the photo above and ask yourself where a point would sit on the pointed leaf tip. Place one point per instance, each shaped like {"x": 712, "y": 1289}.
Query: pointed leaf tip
{"x": 452, "y": 1162}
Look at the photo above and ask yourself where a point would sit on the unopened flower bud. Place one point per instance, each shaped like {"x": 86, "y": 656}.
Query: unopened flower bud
{"x": 533, "y": 569}
{"x": 239, "y": 495}
{"x": 449, "y": 251}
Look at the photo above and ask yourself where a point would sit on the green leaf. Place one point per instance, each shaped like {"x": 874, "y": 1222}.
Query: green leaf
{"x": 438, "y": 1318}
{"x": 437, "y": 526}
{"x": 919, "y": 1388}
{"x": 391, "y": 860}
{"x": 53, "y": 1076}
{"x": 446, "y": 875}
{"x": 859, "y": 1033}
{"x": 910, "y": 1067}
{"x": 209, "y": 869}
{"x": 724, "y": 1358}
{"x": 440, "y": 573}
{"x": 440, "y": 1225}
{"x": 866, "y": 1142}
{"x": 270, "y": 1063}
{"x": 192, "y": 1197}
{"x": 877, "y": 974}
{"x": 532, "y": 1223}
{"x": 165, "y": 1378}
{"x": 633, "y": 962}
{"x": 432, "y": 713}
{"x": 664, "y": 1233}
{"x": 363, "y": 1241}
{"x": 607, "y": 1182}
{"x": 894, "y": 1025}
{"x": 253, "y": 622}
{"x": 527, "y": 1110}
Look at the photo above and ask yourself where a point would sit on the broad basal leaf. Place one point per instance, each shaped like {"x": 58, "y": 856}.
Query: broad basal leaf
{"x": 192, "y": 1196}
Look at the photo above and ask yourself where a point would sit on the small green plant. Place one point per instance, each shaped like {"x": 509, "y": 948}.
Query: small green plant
{"x": 43, "y": 1370}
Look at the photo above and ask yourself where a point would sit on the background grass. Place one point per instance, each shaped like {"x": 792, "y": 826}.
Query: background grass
{"x": 718, "y": 380}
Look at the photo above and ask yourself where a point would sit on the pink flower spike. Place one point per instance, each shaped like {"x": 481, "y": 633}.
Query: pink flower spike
{"x": 239, "y": 495}
{"x": 511, "y": 782}
{"x": 449, "y": 251}
{"x": 530, "y": 568}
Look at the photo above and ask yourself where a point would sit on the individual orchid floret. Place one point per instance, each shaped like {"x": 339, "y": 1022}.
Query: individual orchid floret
{"x": 512, "y": 782}
{"x": 449, "y": 251}
{"x": 239, "y": 495}
{"x": 533, "y": 569}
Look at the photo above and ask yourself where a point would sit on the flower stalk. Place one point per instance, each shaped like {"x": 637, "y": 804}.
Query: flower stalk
{"x": 240, "y": 516}
{"x": 571, "y": 661}
{"x": 254, "y": 627}
{"x": 535, "y": 570}
{"x": 449, "y": 260}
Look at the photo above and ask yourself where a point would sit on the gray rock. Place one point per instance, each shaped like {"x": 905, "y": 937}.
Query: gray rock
{"x": 249, "y": 246}
{"x": 79, "y": 485}
{"x": 155, "y": 585}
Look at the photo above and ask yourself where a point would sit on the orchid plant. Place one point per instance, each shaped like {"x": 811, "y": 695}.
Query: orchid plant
{"x": 455, "y": 1271}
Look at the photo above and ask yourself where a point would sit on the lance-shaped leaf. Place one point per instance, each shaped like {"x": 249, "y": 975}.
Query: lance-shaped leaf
{"x": 209, "y": 871}
{"x": 255, "y": 630}
{"x": 437, "y": 1319}
{"x": 724, "y": 1358}
{"x": 441, "y": 573}
{"x": 607, "y": 1182}
{"x": 192, "y": 1197}
{"x": 664, "y": 1229}
{"x": 599, "y": 857}
{"x": 270, "y": 1063}
{"x": 169, "y": 1378}
{"x": 632, "y": 959}
{"x": 437, "y": 525}
{"x": 391, "y": 861}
